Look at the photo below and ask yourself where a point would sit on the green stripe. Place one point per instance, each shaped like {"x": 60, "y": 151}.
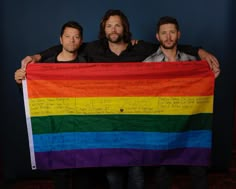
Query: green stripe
{"x": 98, "y": 123}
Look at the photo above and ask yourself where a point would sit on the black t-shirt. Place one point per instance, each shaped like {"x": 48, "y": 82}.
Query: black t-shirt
{"x": 99, "y": 51}
{"x": 53, "y": 59}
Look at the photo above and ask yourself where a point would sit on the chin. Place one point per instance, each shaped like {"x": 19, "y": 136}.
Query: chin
{"x": 168, "y": 46}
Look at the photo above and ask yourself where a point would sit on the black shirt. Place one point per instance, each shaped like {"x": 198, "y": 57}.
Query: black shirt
{"x": 99, "y": 51}
{"x": 53, "y": 59}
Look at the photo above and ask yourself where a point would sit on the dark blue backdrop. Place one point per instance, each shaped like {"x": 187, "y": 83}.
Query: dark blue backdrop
{"x": 30, "y": 26}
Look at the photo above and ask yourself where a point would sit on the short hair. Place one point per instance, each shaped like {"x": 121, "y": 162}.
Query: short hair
{"x": 124, "y": 20}
{"x": 167, "y": 20}
{"x": 72, "y": 24}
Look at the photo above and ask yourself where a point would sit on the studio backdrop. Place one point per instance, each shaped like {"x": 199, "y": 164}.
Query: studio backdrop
{"x": 31, "y": 26}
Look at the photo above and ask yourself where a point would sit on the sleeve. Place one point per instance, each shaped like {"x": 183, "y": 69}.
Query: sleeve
{"x": 19, "y": 86}
{"x": 146, "y": 48}
{"x": 188, "y": 49}
{"x": 52, "y": 51}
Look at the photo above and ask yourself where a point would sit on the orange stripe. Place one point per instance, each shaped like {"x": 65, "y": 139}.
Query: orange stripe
{"x": 118, "y": 88}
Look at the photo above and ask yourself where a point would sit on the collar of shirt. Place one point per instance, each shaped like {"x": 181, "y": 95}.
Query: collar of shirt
{"x": 106, "y": 46}
{"x": 163, "y": 58}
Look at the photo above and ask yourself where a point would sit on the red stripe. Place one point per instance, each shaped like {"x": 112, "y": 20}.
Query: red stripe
{"x": 121, "y": 71}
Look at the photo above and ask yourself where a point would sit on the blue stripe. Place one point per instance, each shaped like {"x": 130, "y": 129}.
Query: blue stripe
{"x": 125, "y": 140}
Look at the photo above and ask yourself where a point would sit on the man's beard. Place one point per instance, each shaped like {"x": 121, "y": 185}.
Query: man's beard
{"x": 70, "y": 50}
{"x": 168, "y": 47}
{"x": 116, "y": 40}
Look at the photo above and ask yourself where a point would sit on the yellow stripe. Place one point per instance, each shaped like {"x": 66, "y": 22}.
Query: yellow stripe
{"x": 121, "y": 105}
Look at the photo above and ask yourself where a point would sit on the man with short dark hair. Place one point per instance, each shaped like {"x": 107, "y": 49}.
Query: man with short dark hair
{"x": 168, "y": 34}
{"x": 71, "y": 38}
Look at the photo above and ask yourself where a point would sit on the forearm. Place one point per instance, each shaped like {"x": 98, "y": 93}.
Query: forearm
{"x": 50, "y": 52}
{"x": 212, "y": 61}
{"x": 188, "y": 49}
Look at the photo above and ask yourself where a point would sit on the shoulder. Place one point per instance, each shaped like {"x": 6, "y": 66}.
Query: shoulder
{"x": 187, "y": 57}
{"x": 51, "y": 59}
{"x": 82, "y": 47}
{"x": 95, "y": 44}
{"x": 146, "y": 46}
{"x": 157, "y": 56}
{"x": 95, "y": 47}
{"x": 81, "y": 58}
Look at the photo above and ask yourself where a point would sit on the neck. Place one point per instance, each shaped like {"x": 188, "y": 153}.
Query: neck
{"x": 170, "y": 53}
{"x": 117, "y": 48}
{"x": 66, "y": 56}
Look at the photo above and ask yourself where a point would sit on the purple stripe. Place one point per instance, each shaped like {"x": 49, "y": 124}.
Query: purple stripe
{"x": 121, "y": 157}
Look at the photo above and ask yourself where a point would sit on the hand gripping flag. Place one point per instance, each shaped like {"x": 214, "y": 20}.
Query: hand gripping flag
{"x": 119, "y": 114}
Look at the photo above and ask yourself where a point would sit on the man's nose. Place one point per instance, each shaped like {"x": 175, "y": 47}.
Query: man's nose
{"x": 113, "y": 28}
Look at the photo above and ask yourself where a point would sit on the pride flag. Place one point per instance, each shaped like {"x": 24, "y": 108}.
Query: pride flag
{"x": 119, "y": 114}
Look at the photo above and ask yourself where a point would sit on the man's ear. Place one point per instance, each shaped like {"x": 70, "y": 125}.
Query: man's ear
{"x": 179, "y": 34}
{"x": 60, "y": 40}
{"x": 157, "y": 36}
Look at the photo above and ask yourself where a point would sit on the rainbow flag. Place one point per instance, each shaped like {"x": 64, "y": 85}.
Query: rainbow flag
{"x": 119, "y": 114}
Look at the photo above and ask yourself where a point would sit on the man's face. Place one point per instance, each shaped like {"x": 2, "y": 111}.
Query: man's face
{"x": 168, "y": 36}
{"x": 114, "y": 29}
{"x": 71, "y": 39}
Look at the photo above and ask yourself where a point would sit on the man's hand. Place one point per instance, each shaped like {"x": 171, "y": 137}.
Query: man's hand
{"x": 212, "y": 61}
{"x": 20, "y": 75}
{"x": 134, "y": 42}
{"x": 30, "y": 59}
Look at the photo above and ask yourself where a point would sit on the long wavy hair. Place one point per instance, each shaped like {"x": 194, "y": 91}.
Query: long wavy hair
{"x": 125, "y": 23}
